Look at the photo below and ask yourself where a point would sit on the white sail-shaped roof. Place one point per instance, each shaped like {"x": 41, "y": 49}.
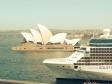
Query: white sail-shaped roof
{"x": 73, "y": 41}
{"x": 58, "y": 38}
{"x": 45, "y": 33}
{"x": 36, "y": 35}
{"x": 28, "y": 36}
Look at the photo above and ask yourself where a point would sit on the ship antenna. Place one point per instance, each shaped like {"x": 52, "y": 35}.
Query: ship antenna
{"x": 93, "y": 35}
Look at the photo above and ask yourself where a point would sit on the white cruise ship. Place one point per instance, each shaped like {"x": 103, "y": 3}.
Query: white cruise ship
{"x": 93, "y": 61}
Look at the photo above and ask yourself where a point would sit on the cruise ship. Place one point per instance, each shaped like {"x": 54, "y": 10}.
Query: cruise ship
{"x": 93, "y": 61}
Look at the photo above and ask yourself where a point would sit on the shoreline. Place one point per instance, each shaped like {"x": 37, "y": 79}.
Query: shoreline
{"x": 18, "y": 82}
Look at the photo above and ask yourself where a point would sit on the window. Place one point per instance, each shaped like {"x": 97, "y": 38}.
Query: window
{"x": 75, "y": 67}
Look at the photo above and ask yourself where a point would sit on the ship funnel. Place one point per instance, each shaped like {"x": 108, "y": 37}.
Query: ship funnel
{"x": 106, "y": 32}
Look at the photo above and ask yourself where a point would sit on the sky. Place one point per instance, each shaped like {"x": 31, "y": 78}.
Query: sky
{"x": 23, "y": 14}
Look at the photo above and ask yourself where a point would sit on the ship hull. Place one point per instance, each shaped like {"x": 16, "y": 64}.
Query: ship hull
{"x": 68, "y": 72}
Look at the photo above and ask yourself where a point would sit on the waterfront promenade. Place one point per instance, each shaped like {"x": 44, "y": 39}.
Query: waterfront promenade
{"x": 5, "y": 81}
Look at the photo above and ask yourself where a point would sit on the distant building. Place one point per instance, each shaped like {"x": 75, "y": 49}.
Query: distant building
{"x": 45, "y": 36}
{"x": 44, "y": 39}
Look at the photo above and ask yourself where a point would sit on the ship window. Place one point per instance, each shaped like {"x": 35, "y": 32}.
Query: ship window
{"x": 93, "y": 49}
{"x": 63, "y": 66}
{"x": 75, "y": 67}
{"x": 103, "y": 49}
{"x": 97, "y": 48}
{"x": 99, "y": 60}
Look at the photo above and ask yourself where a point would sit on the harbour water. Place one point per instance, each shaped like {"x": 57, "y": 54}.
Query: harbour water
{"x": 24, "y": 66}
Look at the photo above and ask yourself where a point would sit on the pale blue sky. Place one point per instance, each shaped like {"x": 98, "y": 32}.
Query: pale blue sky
{"x": 55, "y": 13}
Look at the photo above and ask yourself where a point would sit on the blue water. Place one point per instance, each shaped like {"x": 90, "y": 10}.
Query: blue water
{"x": 24, "y": 65}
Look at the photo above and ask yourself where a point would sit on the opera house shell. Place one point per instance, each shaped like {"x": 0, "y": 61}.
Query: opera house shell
{"x": 28, "y": 37}
{"x": 43, "y": 39}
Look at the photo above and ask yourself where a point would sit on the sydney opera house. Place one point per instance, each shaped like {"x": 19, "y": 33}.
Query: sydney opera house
{"x": 43, "y": 40}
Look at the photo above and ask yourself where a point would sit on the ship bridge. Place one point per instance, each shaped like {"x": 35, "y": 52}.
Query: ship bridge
{"x": 100, "y": 42}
